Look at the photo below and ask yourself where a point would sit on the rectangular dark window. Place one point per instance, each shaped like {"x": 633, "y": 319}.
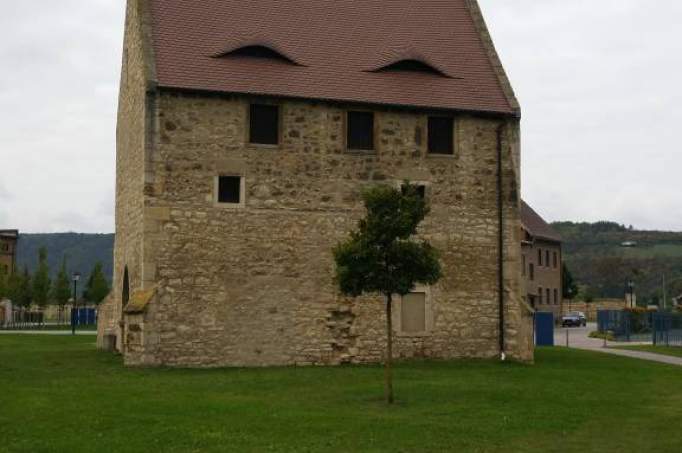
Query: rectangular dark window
{"x": 539, "y": 257}
{"x": 549, "y": 300}
{"x": 264, "y": 124}
{"x": 556, "y": 297}
{"x": 360, "y": 131}
{"x": 229, "y": 189}
{"x": 547, "y": 258}
{"x": 531, "y": 271}
{"x": 556, "y": 260}
{"x": 421, "y": 191}
{"x": 441, "y": 135}
{"x": 539, "y": 296}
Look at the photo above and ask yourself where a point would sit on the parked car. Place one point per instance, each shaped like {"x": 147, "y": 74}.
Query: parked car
{"x": 574, "y": 319}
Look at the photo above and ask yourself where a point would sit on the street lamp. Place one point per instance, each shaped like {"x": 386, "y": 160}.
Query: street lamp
{"x": 74, "y": 310}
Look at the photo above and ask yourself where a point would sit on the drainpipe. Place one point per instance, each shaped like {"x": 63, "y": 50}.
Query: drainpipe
{"x": 500, "y": 240}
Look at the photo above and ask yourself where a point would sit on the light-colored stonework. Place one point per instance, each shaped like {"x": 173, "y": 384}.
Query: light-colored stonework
{"x": 253, "y": 286}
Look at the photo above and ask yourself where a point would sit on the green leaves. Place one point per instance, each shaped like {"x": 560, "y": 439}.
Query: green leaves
{"x": 97, "y": 287}
{"x": 379, "y": 256}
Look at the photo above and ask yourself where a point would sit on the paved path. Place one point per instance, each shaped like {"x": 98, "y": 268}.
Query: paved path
{"x": 46, "y": 332}
{"x": 578, "y": 338}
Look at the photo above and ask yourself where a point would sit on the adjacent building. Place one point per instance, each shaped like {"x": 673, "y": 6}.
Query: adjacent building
{"x": 8, "y": 256}
{"x": 246, "y": 133}
{"x": 8, "y": 251}
{"x": 541, "y": 262}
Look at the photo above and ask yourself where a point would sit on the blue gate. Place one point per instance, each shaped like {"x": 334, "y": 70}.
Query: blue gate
{"x": 544, "y": 329}
{"x": 83, "y": 316}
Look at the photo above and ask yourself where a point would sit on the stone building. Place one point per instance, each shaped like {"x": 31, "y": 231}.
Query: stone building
{"x": 541, "y": 263}
{"x": 246, "y": 133}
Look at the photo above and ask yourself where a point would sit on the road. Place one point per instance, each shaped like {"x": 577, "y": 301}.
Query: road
{"x": 578, "y": 338}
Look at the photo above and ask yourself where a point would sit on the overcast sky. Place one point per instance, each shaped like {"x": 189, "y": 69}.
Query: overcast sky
{"x": 598, "y": 81}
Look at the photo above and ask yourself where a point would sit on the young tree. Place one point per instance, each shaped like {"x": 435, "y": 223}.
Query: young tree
{"x": 62, "y": 288}
{"x": 97, "y": 287}
{"x": 3, "y": 285}
{"x": 19, "y": 289}
{"x": 570, "y": 287}
{"x": 380, "y": 258}
{"x": 41, "y": 280}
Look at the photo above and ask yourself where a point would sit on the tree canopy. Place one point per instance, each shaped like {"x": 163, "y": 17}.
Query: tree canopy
{"x": 380, "y": 256}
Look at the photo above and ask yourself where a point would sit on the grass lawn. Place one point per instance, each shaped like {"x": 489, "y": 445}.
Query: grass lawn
{"x": 665, "y": 350}
{"x": 60, "y": 394}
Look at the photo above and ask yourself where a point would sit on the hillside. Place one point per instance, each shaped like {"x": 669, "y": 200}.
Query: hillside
{"x": 595, "y": 254}
{"x": 82, "y": 251}
{"x": 593, "y": 251}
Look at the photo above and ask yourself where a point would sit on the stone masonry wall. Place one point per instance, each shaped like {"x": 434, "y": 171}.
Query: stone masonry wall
{"x": 131, "y": 137}
{"x": 254, "y": 286}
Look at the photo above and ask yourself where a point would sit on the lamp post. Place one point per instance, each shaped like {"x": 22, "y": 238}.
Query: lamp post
{"x": 74, "y": 310}
{"x": 631, "y": 292}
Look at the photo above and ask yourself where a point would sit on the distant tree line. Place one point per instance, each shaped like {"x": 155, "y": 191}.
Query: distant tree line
{"x": 604, "y": 256}
{"x": 26, "y": 289}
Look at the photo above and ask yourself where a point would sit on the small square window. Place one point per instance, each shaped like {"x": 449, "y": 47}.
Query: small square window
{"x": 264, "y": 124}
{"x": 441, "y": 135}
{"x": 230, "y": 189}
{"x": 360, "y": 131}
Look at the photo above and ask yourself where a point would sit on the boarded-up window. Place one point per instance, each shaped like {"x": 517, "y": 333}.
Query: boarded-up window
{"x": 229, "y": 189}
{"x": 360, "y": 131}
{"x": 264, "y": 124}
{"x": 441, "y": 135}
{"x": 413, "y": 313}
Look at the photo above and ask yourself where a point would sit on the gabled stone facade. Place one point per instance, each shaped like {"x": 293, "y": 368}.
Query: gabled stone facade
{"x": 252, "y": 284}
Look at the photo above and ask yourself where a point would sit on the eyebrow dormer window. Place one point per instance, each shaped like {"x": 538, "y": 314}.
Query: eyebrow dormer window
{"x": 256, "y": 52}
{"x": 410, "y": 65}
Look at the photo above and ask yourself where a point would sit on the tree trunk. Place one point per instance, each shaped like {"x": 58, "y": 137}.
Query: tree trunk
{"x": 389, "y": 349}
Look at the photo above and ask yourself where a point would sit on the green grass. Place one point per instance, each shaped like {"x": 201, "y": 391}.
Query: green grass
{"x": 59, "y": 394}
{"x": 665, "y": 350}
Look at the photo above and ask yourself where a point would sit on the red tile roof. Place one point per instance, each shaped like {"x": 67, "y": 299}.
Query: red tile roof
{"x": 536, "y": 225}
{"x": 338, "y": 45}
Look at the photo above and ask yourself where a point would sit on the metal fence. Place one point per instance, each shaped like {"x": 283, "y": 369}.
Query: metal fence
{"x": 22, "y": 319}
{"x": 667, "y": 329}
{"x": 658, "y": 328}
{"x": 626, "y": 325}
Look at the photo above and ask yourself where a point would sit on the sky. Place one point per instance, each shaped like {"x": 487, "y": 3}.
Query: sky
{"x": 598, "y": 82}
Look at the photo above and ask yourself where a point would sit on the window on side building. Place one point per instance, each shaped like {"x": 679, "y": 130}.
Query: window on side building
{"x": 264, "y": 124}
{"x": 547, "y": 258}
{"x": 547, "y": 293}
{"x": 539, "y": 257}
{"x": 556, "y": 260}
{"x": 539, "y": 296}
{"x": 360, "y": 131}
{"x": 230, "y": 190}
{"x": 531, "y": 271}
{"x": 556, "y": 296}
{"x": 441, "y": 135}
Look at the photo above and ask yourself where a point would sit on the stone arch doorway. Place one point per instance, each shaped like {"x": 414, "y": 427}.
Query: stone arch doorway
{"x": 125, "y": 297}
{"x": 125, "y": 293}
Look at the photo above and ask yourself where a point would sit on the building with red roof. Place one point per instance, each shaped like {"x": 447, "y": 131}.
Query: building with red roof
{"x": 246, "y": 134}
